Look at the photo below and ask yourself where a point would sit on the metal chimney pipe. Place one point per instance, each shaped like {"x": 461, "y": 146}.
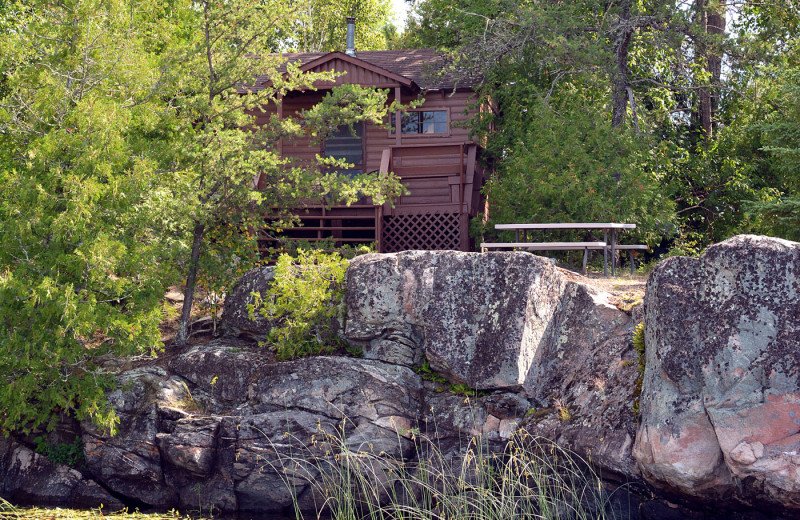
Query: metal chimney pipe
{"x": 351, "y": 36}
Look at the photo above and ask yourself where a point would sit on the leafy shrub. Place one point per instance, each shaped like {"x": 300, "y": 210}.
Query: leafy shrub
{"x": 304, "y": 303}
{"x": 69, "y": 454}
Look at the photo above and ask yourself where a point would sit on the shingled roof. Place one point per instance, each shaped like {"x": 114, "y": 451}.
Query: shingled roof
{"x": 421, "y": 66}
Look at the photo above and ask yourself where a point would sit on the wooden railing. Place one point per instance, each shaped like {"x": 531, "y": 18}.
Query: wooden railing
{"x": 436, "y": 175}
{"x": 443, "y": 183}
{"x": 342, "y": 225}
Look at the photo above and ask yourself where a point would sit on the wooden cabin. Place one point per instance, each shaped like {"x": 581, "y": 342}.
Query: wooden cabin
{"x": 431, "y": 153}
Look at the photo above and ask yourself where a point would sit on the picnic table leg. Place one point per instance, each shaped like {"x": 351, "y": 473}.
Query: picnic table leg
{"x": 633, "y": 266}
{"x": 585, "y": 259}
{"x": 605, "y": 253}
{"x": 613, "y": 251}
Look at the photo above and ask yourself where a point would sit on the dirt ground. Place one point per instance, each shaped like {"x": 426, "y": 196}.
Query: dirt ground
{"x": 612, "y": 284}
{"x": 626, "y": 291}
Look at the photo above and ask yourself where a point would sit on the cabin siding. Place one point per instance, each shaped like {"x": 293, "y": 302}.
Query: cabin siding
{"x": 439, "y": 170}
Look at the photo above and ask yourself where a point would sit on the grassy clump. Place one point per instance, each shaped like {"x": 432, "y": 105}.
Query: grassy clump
{"x": 426, "y": 372}
{"x": 530, "y": 477}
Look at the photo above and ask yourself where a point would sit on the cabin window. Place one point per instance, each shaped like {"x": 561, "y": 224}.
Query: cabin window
{"x": 423, "y": 122}
{"x": 347, "y": 143}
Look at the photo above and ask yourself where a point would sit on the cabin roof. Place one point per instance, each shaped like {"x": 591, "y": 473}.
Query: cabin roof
{"x": 419, "y": 67}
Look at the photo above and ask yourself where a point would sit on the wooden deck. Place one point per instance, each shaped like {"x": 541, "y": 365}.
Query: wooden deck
{"x": 443, "y": 183}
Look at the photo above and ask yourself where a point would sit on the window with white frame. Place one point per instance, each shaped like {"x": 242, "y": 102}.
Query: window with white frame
{"x": 422, "y": 122}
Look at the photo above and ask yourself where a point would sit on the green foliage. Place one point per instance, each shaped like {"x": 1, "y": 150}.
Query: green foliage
{"x": 69, "y": 454}
{"x": 219, "y": 163}
{"x": 582, "y": 170}
{"x": 780, "y": 130}
{"x": 320, "y": 25}
{"x": 465, "y": 390}
{"x": 780, "y": 217}
{"x": 354, "y": 350}
{"x": 578, "y": 93}
{"x": 228, "y": 255}
{"x": 304, "y": 303}
{"x": 427, "y": 373}
{"x": 712, "y": 186}
{"x": 85, "y": 251}
{"x": 124, "y": 169}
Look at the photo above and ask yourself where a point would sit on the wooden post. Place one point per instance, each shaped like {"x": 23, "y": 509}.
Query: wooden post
{"x": 461, "y": 179}
{"x": 379, "y": 228}
{"x": 398, "y": 121}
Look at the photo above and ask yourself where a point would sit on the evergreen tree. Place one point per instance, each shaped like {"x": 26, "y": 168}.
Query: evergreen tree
{"x": 127, "y": 142}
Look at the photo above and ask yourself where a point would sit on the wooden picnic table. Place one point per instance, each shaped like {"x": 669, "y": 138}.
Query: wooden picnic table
{"x": 609, "y": 228}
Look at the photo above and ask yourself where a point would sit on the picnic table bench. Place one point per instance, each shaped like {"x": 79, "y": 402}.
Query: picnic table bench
{"x": 609, "y": 232}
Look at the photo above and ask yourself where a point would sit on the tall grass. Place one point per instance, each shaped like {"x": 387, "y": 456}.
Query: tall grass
{"x": 527, "y": 478}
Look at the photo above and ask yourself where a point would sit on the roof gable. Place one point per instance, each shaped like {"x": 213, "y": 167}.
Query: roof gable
{"x": 413, "y": 68}
{"x": 355, "y": 71}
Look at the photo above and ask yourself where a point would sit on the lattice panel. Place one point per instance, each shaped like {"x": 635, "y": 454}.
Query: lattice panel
{"x": 428, "y": 231}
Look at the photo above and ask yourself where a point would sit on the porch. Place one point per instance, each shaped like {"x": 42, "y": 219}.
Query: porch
{"x": 443, "y": 183}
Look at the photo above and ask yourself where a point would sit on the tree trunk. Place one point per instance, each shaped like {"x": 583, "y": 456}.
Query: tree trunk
{"x": 619, "y": 75}
{"x": 191, "y": 280}
{"x": 711, "y": 20}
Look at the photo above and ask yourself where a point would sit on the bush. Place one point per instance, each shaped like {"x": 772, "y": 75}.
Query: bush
{"x": 305, "y": 304}
{"x": 70, "y": 454}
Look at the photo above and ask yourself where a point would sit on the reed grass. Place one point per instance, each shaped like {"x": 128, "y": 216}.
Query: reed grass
{"x": 528, "y": 478}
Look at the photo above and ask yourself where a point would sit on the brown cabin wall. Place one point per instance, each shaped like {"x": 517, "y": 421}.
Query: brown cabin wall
{"x": 377, "y": 139}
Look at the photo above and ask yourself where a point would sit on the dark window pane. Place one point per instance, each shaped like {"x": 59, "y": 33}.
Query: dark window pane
{"x": 345, "y": 144}
{"x": 434, "y": 122}
{"x": 422, "y": 122}
{"x": 411, "y": 123}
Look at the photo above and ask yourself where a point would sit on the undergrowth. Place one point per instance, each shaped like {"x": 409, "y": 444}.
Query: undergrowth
{"x": 426, "y": 372}
{"x": 304, "y": 304}
{"x": 70, "y": 454}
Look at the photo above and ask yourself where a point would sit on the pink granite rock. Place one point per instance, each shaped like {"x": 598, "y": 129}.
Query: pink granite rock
{"x": 721, "y": 396}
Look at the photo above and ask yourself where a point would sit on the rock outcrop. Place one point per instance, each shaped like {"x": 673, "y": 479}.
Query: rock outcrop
{"x": 30, "y": 478}
{"x": 224, "y": 425}
{"x": 507, "y": 321}
{"x": 235, "y": 314}
{"x": 721, "y": 397}
{"x": 219, "y": 433}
